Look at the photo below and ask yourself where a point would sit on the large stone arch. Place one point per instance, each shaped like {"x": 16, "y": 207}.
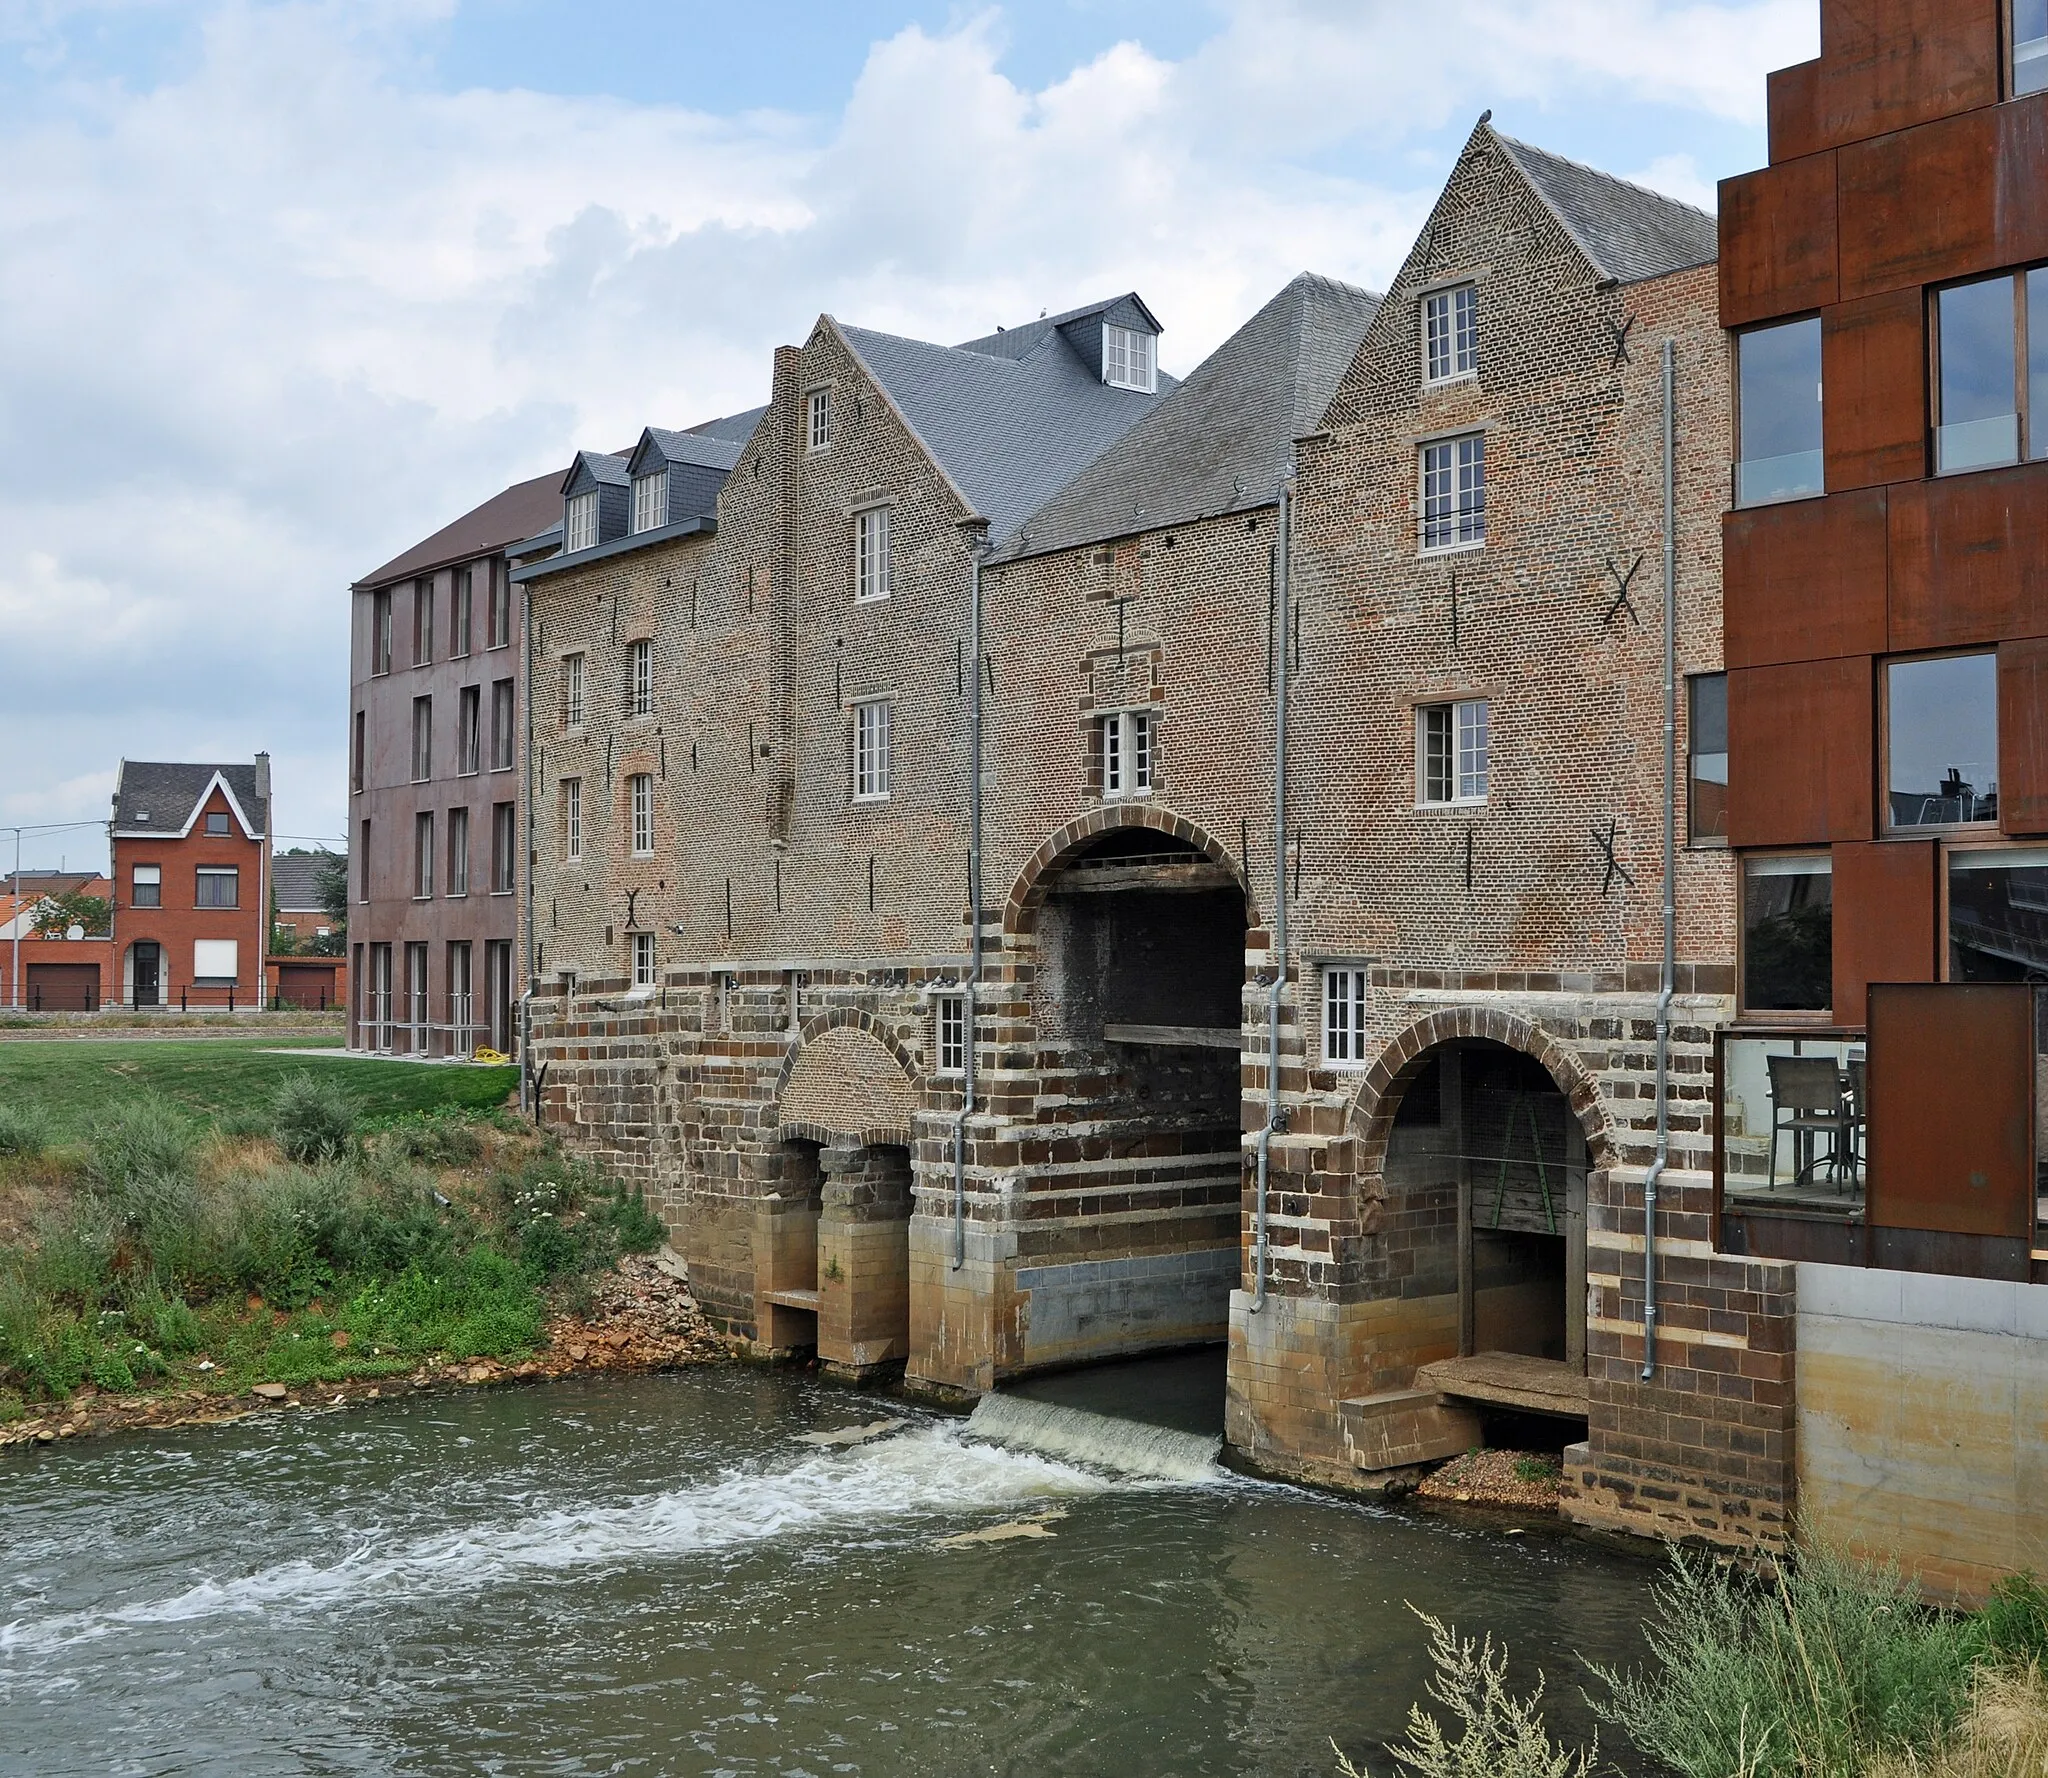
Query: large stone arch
{"x": 1059, "y": 848}
{"x": 847, "y": 1077}
{"x": 1379, "y": 1093}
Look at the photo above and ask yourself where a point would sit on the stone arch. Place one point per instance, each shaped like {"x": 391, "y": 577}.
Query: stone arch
{"x": 847, "y": 1077}
{"x": 1058, "y": 849}
{"x": 1380, "y": 1092}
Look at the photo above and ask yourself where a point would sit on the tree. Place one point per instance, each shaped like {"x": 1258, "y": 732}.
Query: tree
{"x": 55, "y": 915}
{"x": 333, "y": 890}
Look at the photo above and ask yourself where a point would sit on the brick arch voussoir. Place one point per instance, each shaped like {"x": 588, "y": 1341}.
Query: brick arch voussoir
{"x": 1034, "y": 881}
{"x": 839, "y": 1019}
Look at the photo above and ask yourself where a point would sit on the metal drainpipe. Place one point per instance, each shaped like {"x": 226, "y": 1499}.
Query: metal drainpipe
{"x": 524, "y": 839}
{"x": 1668, "y": 979}
{"x": 978, "y": 550}
{"x": 1274, "y": 1120}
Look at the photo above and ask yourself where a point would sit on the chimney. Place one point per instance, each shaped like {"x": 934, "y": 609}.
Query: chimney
{"x": 263, "y": 777}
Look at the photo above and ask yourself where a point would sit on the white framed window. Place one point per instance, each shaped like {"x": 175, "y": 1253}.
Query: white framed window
{"x": 818, "y": 420}
{"x": 1450, "y": 753}
{"x": 1450, "y": 334}
{"x": 572, "y": 691}
{"x": 217, "y": 886}
{"x": 215, "y": 961}
{"x": 871, "y": 751}
{"x": 643, "y": 959}
{"x": 650, "y": 501}
{"x": 640, "y": 678}
{"x": 1127, "y": 753}
{"x": 871, "y": 553}
{"x": 640, "y": 795}
{"x": 147, "y": 886}
{"x": 949, "y": 1015}
{"x": 579, "y": 523}
{"x": 1344, "y": 1013}
{"x": 572, "y": 819}
{"x": 1127, "y": 359}
{"x": 1454, "y": 492}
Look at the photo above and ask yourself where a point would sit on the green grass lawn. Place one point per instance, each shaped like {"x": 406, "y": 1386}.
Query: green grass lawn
{"x": 216, "y": 1077}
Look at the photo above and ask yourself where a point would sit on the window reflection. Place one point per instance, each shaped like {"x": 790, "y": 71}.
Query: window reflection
{"x": 1788, "y": 933}
{"x": 1998, "y": 915}
{"x": 1779, "y": 394}
{"x": 1707, "y": 757}
{"x": 1793, "y": 1115}
{"x": 2029, "y": 46}
{"x": 2037, "y": 346}
{"x": 1980, "y": 422}
{"x": 1941, "y": 740}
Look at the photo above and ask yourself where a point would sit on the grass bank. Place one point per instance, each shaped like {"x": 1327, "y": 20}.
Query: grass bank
{"x": 292, "y": 1239}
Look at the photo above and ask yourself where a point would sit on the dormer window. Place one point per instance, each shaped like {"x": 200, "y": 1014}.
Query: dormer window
{"x": 579, "y": 524}
{"x": 1127, "y": 359}
{"x": 818, "y": 420}
{"x": 650, "y": 501}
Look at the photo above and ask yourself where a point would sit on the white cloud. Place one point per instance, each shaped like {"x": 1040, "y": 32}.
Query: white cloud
{"x": 276, "y": 317}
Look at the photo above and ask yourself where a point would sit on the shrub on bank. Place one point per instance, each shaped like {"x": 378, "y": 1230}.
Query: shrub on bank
{"x": 24, "y": 1130}
{"x": 312, "y": 1117}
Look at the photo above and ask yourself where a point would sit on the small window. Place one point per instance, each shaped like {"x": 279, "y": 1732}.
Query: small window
{"x": 423, "y": 856}
{"x": 640, "y": 797}
{"x": 422, "y": 622}
{"x": 504, "y": 846}
{"x": 1344, "y": 1007}
{"x": 501, "y": 610}
{"x": 650, "y": 501}
{"x": 640, "y": 678}
{"x": 146, "y": 886}
{"x": 218, "y": 887}
{"x": 950, "y": 1013}
{"x": 818, "y": 420}
{"x": 1706, "y": 759}
{"x": 357, "y": 749}
{"x": 1788, "y": 933}
{"x": 2029, "y": 47}
{"x": 363, "y": 861}
{"x": 422, "y": 739}
{"x": 1127, "y": 359}
{"x": 469, "y": 730}
{"x": 1451, "y": 753}
{"x": 461, "y": 610}
{"x": 1941, "y": 742}
{"x": 579, "y": 522}
{"x": 1454, "y": 493}
{"x": 501, "y": 725}
{"x": 871, "y": 751}
{"x": 572, "y": 691}
{"x": 572, "y": 819}
{"x": 217, "y": 827}
{"x": 643, "y": 959}
{"x": 458, "y": 851}
{"x": 1127, "y": 753}
{"x": 1991, "y": 387}
{"x": 1450, "y": 334}
{"x": 1998, "y": 915}
{"x": 1778, "y": 413}
{"x": 871, "y": 553}
{"x": 380, "y": 631}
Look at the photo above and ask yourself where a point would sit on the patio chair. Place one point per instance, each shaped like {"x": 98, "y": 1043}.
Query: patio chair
{"x": 1806, "y": 1099}
{"x": 1855, "y": 1121}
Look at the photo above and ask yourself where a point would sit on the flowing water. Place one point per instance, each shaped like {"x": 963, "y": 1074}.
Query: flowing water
{"x": 661, "y": 1575}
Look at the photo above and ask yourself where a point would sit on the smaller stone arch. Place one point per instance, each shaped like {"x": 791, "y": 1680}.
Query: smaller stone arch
{"x": 1057, "y": 850}
{"x": 847, "y": 1077}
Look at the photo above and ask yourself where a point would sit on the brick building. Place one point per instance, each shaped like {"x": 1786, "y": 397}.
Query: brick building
{"x": 191, "y": 869}
{"x": 59, "y": 973}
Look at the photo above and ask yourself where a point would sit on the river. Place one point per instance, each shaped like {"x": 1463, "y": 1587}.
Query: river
{"x": 656, "y": 1575}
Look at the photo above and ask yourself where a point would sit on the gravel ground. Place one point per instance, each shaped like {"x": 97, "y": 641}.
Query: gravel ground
{"x": 1496, "y": 1478}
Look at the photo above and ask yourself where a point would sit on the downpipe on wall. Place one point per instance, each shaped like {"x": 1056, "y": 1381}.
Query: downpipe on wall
{"x": 1276, "y": 1120}
{"x": 977, "y": 553}
{"x": 1668, "y": 979}
{"x": 529, "y": 1097}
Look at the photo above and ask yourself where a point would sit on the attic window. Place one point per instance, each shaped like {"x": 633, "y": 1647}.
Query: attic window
{"x": 650, "y": 501}
{"x": 216, "y": 824}
{"x": 1127, "y": 361}
{"x": 818, "y": 420}
{"x": 580, "y": 522}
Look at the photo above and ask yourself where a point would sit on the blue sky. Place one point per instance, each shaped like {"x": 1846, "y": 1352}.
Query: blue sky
{"x": 287, "y": 286}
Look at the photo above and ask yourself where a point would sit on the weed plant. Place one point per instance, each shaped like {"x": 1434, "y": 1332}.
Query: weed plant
{"x": 24, "y": 1130}
{"x": 312, "y": 1118}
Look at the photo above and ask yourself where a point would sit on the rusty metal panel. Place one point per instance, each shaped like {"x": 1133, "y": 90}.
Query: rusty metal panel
{"x": 1968, "y": 558}
{"x": 1805, "y": 580}
{"x": 1800, "y": 770}
{"x": 1874, "y": 369}
{"x": 2023, "y": 736}
{"x": 1778, "y": 241}
{"x": 1890, "y": 64}
{"x": 1920, "y": 207}
{"x": 1951, "y": 1118}
{"x": 1793, "y": 107}
{"x": 1762, "y": 1235}
{"x": 1885, "y": 904}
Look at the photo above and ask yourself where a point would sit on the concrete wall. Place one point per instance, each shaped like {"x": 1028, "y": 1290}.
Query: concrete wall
{"x": 1923, "y": 1421}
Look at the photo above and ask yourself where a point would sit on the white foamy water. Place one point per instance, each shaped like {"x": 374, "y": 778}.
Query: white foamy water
{"x": 1127, "y": 1446}
{"x": 924, "y": 1473}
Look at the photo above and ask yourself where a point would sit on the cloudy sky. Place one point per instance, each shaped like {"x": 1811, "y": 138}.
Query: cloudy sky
{"x": 285, "y": 287}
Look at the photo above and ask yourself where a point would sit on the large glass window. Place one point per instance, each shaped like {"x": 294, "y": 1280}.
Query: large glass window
{"x": 2035, "y": 401}
{"x": 1706, "y": 759}
{"x": 1778, "y": 395}
{"x": 2029, "y": 46}
{"x": 1454, "y": 493}
{"x": 1998, "y": 914}
{"x": 1788, "y": 933}
{"x": 1978, "y": 425}
{"x": 1941, "y": 741}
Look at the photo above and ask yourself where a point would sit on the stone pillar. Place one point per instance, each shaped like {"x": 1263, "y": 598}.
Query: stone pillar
{"x": 864, "y": 1259}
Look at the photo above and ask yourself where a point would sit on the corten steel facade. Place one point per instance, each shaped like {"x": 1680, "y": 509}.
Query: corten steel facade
{"x": 437, "y": 715}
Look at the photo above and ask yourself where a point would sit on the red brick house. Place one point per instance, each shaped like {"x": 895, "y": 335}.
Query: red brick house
{"x": 59, "y": 973}
{"x": 191, "y": 849}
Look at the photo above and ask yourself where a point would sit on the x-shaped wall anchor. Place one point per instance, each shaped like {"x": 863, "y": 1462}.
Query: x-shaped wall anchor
{"x": 632, "y": 916}
{"x": 1615, "y": 867}
{"x": 1619, "y": 332}
{"x": 1622, "y": 601}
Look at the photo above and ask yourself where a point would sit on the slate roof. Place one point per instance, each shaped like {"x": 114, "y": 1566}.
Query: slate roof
{"x": 1014, "y": 342}
{"x": 1220, "y": 439}
{"x": 1627, "y": 231}
{"x": 519, "y": 511}
{"x": 296, "y": 877}
{"x": 608, "y": 467}
{"x": 156, "y": 797}
{"x": 737, "y": 427}
{"x": 707, "y": 450}
{"x": 1007, "y": 430}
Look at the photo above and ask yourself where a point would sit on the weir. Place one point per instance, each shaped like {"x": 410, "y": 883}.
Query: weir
{"x": 1130, "y": 1447}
